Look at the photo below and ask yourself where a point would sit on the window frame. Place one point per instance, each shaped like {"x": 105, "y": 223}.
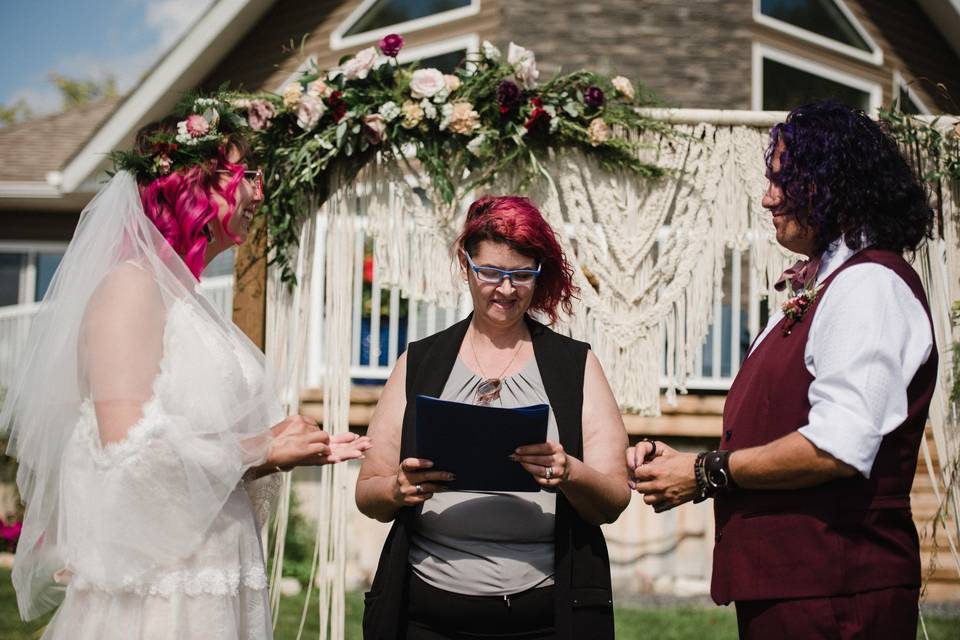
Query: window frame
{"x": 762, "y": 51}
{"x": 340, "y": 41}
{"x": 873, "y": 57}
{"x": 899, "y": 82}
{"x": 27, "y": 287}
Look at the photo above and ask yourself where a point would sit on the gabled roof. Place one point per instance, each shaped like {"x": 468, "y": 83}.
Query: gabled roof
{"x": 30, "y": 150}
{"x": 179, "y": 70}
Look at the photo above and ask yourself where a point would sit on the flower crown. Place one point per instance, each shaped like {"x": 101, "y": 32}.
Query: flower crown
{"x": 204, "y": 124}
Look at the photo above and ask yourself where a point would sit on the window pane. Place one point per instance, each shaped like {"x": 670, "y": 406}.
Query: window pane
{"x": 387, "y": 12}
{"x": 445, "y": 62}
{"x": 822, "y": 17}
{"x": 47, "y": 264}
{"x": 10, "y": 266}
{"x": 222, "y": 265}
{"x": 786, "y": 87}
{"x": 907, "y": 105}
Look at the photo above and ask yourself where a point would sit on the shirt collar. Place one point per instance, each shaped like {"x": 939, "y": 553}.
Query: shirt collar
{"x": 833, "y": 258}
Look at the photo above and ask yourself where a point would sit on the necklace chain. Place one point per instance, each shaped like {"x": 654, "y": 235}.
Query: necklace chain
{"x": 477, "y": 358}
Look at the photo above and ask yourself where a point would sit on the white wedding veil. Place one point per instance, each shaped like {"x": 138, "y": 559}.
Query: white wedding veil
{"x": 97, "y": 351}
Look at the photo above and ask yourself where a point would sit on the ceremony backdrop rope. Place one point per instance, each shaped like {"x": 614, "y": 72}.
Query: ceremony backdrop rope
{"x": 647, "y": 204}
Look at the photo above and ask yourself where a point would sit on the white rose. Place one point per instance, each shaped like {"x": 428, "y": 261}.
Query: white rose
{"x": 357, "y": 67}
{"x": 310, "y": 111}
{"x": 623, "y": 87}
{"x": 425, "y": 83}
{"x": 524, "y": 65}
{"x": 490, "y": 52}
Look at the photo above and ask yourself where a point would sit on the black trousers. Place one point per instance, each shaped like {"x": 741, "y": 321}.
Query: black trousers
{"x": 435, "y": 614}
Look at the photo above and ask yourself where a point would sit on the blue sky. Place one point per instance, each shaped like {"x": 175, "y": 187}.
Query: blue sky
{"x": 84, "y": 39}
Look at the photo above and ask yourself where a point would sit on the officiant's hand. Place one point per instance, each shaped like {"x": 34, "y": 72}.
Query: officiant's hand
{"x": 546, "y": 462}
{"x": 416, "y": 483}
{"x": 667, "y": 480}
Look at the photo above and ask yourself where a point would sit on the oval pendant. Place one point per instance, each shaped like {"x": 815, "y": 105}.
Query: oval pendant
{"x": 488, "y": 390}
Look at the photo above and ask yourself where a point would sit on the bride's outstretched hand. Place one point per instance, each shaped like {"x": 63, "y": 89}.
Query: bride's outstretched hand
{"x": 347, "y": 446}
{"x": 299, "y": 441}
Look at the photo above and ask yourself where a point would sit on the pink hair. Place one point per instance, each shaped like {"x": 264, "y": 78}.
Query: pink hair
{"x": 517, "y": 222}
{"x": 180, "y": 205}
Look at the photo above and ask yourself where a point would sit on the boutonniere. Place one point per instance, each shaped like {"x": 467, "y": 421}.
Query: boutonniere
{"x": 796, "y": 307}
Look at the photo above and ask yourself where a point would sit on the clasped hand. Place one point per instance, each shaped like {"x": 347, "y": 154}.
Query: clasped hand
{"x": 299, "y": 441}
{"x": 417, "y": 481}
{"x": 663, "y": 475}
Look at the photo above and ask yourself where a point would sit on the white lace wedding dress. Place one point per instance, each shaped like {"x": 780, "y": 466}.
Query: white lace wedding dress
{"x": 147, "y": 552}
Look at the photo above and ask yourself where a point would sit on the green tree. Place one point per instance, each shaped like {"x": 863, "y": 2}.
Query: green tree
{"x": 17, "y": 112}
{"x": 76, "y": 92}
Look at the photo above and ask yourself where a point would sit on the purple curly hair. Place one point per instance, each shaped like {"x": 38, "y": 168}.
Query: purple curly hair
{"x": 842, "y": 174}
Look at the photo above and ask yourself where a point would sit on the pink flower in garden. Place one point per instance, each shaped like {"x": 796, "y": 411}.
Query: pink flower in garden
{"x": 260, "y": 113}
{"x": 391, "y": 44}
{"x": 197, "y": 126}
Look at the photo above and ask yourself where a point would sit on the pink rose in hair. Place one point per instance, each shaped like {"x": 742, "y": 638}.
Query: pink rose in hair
{"x": 197, "y": 126}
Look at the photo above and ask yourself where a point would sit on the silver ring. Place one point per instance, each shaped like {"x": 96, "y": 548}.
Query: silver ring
{"x": 419, "y": 489}
{"x": 548, "y": 473}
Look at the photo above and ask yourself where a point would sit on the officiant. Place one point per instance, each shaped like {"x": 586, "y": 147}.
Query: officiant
{"x": 499, "y": 564}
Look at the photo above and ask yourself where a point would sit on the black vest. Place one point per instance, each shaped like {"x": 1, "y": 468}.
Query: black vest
{"x": 584, "y": 605}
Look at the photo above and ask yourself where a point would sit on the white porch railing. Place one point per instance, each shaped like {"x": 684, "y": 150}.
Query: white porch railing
{"x": 379, "y": 338}
{"x": 15, "y": 323}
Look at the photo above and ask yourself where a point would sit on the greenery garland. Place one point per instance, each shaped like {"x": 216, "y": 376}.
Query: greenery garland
{"x": 489, "y": 117}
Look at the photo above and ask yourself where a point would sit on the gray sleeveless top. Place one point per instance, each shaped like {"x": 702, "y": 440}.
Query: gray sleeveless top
{"x": 488, "y": 543}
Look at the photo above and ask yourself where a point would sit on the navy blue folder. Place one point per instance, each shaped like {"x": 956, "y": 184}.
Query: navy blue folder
{"x": 473, "y": 442}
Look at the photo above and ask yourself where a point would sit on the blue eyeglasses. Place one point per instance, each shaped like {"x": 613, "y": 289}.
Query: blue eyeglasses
{"x": 492, "y": 275}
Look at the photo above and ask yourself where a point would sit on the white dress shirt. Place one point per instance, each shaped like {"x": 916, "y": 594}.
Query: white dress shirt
{"x": 869, "y": 337}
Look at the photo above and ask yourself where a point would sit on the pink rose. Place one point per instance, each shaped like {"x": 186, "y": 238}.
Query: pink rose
{"x": 357, "y": 67}
{"x": 310, "y": 111}
{"x": 374, "y": 128}
{"x": 425, "y": 83}
{"x": 524, "y": 65}
{"x": 260, "y": 113}
{"x": 197, "y": 126}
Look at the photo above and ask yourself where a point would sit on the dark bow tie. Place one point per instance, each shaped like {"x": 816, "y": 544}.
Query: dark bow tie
{"x": 799, "y": 275}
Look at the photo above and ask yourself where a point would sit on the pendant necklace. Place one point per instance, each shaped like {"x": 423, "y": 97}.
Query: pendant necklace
{"x": 489, "y": 388}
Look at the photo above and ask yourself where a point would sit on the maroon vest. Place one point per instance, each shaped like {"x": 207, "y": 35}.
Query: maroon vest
{"x": 844, "y": 536}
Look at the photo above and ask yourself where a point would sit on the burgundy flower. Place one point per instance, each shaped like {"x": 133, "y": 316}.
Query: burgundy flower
{"x": 508, "y": 96}
{"x": 338, "y": 107}
{"x": 593, "y": 96}
{"x": 538, "y": 123}
{"x": 391, "y": 44}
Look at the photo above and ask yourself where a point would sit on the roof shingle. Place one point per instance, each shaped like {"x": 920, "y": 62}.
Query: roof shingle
{"x": 30, "y": 149}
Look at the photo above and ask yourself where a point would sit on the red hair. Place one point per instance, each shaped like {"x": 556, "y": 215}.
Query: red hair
{"x": 180, "y": 205}
{"x": 516, "y": 222}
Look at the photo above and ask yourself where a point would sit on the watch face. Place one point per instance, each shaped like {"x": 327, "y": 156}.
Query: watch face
{"x": 717, "y": 478}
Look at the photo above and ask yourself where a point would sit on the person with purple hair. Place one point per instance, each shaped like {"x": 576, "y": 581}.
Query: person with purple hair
{"x": 145, "y": 423}
{"x": 823, "y": 423}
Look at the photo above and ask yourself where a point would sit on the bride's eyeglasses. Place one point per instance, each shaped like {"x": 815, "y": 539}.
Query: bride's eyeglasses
{"x": 492, "y": 275}
{"x": 254, "y": 177}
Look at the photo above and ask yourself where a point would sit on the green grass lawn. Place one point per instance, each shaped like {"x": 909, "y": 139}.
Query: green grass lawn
{"x": 674, "y": 623}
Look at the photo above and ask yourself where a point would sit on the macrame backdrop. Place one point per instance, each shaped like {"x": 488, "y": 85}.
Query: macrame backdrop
{"x": 648, "y": 257}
